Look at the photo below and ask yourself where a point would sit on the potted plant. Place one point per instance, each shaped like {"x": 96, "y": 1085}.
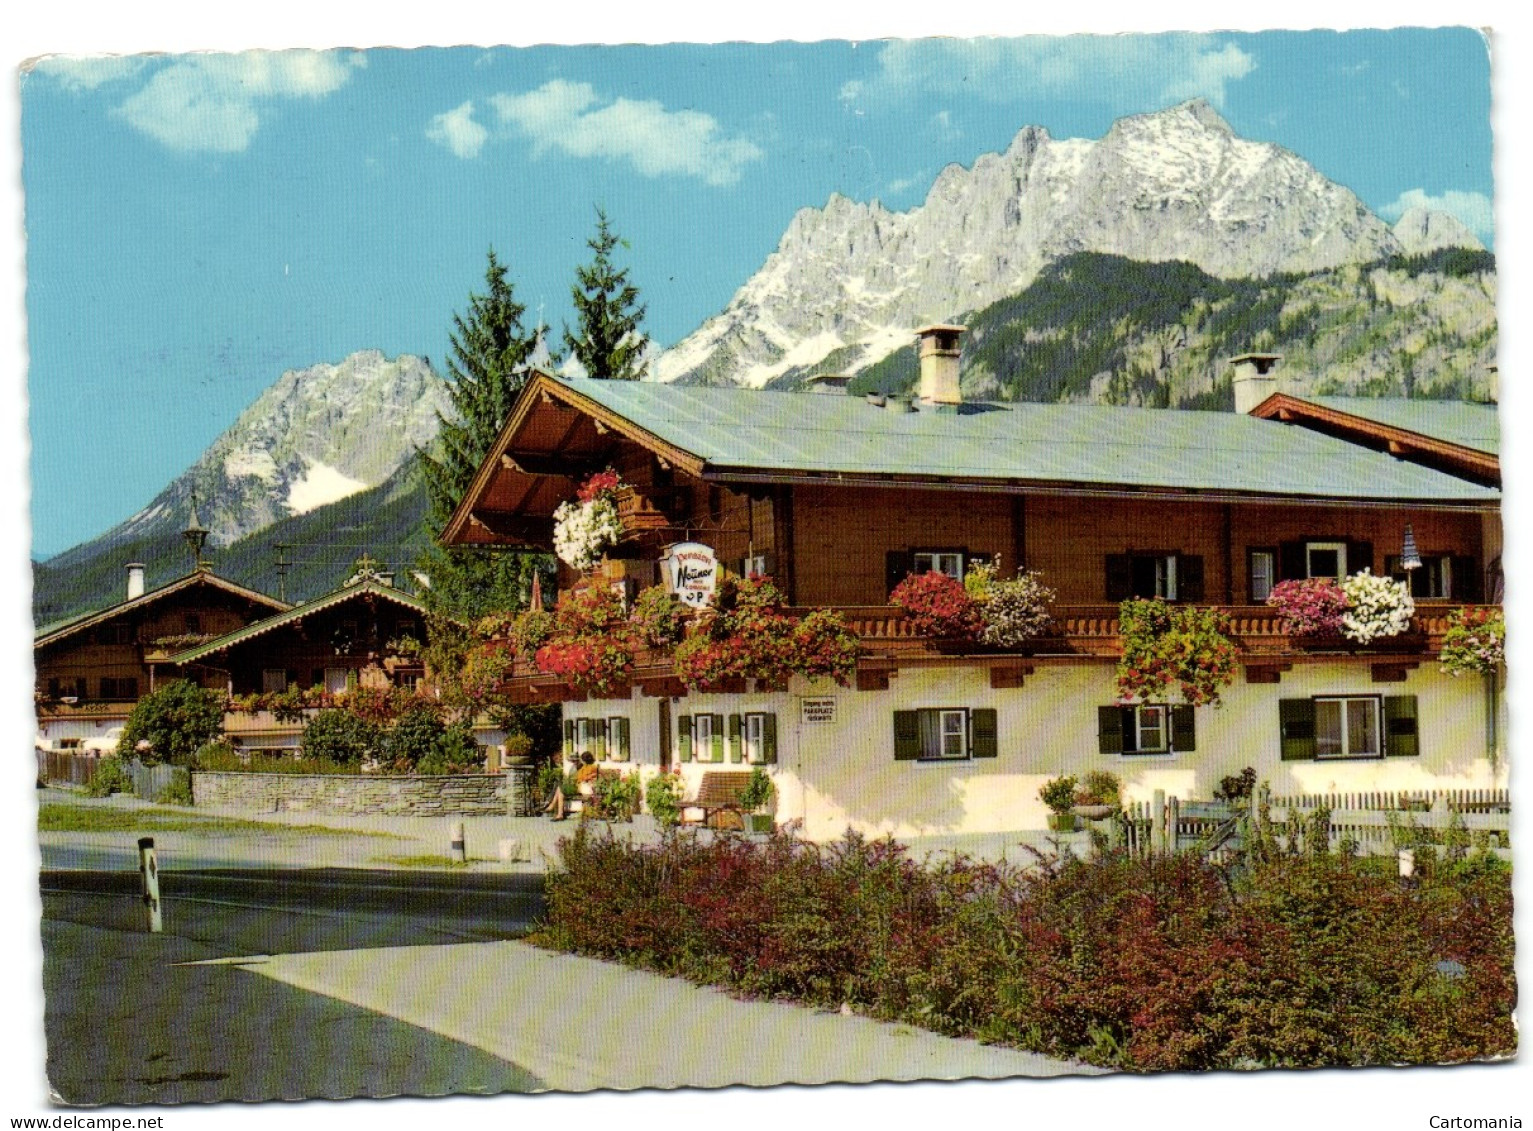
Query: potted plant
{"x": 1475, "y": 643}
{"x": 1059, "y": 795}
{"x": 1099, "y": 795}
{"x": 755, "y": 798}
{"x": 517, "y": 750}
{"x": 1376, "y": 607}
{"x": 939, "y": 607}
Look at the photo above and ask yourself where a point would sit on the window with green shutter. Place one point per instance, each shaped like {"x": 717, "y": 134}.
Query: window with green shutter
{"x": 736, "y": 751}
{"x": 945, "y": 734}
{"x": 983, "y": 741}
{"x": 1146, "y": 728}
{"x": 769, "y": 738}
{"x": 599, "y": 739}
{"x": 718, "y": 737}
{"x": 617, "y": 738}
{"x": 1401, "y": 737}
{"x": 684, "y": 738}
{"x": 1296, "y": 729}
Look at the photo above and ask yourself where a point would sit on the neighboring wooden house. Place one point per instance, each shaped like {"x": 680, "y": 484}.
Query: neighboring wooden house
{"x": 839, "y": 498}
{"x": 338, "y": 641}
{"x": 93, "y": 668}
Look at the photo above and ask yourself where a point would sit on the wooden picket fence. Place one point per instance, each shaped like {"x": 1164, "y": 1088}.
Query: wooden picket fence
{"x": 1167, "y": 824}
{"x": 63, "y": 768}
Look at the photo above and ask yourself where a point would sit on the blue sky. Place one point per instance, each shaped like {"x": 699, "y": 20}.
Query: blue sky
{"x": 196, "y": 224}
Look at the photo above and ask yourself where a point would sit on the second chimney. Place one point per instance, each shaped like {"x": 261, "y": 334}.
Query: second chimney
{"x": 135, "y": 580}
{"x": 1254, "y": 379}
{"x": 937, "y": 347}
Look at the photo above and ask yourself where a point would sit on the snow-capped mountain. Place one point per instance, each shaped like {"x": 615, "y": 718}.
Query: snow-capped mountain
{"x": 849, "y": 282}
{"x": 315, "y": 436}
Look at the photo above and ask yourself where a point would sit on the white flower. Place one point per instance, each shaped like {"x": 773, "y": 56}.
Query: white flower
{"x": 585, "y": 531}
{"x": 1377, "y": 607}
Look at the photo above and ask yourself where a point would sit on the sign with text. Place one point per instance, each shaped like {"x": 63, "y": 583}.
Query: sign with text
{"x": 691, "y": 573}
{"x": 817, "y": 710}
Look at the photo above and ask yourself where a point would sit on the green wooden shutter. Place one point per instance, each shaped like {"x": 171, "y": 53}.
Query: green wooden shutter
{"x": 907, "y": 736}
{"x": 1184, "y": 734}
{"x": 983, "y": 741}
{"x": 619, "y": 733}
{"x": 1401, "y": 736}
{"x": 1296, "y": 729}
{"x": 599, "y": 738}
{"x": 684, "y": 737}
{"x": 1189, "y": 577}
{"x": 569, "y": 738}
{"x": 1110, "y": 730}
{"x": 736, "y": 751}
{"x": 718, "y": 738}
{"x": 769, "y": 738}
{"x": 1120, "y": 577}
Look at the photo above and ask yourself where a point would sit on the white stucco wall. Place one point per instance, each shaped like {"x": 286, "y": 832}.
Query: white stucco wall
{"x": 842, "y": 774}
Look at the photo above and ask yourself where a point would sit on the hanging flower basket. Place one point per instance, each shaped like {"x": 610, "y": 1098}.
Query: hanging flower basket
{"x": 588, "y": 527}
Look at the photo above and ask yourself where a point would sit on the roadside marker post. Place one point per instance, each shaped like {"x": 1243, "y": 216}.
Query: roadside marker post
{"x": 458, "y": 853}
{"x": 149, "y": 878}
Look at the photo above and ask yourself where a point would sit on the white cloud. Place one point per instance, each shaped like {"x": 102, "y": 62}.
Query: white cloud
{"x": 76, "y": 73}
{"x": 570, "y": 117}
{"x": 213, "y": 102}
{"x": 1124, "y": 70}
{"x": 1472, "y": 209}
{"x": 457, "y": 130}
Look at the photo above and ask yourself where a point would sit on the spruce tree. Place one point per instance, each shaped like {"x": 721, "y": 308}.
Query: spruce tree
{"x": 609, "y": 343}
{"x": 486, "y": 370}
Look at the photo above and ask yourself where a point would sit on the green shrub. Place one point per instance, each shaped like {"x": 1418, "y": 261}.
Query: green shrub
{"x": 175, "y": 721}
{"x": 413, "y": 739}
{"x": 229, "y": 761}
{"x": 615, "y": 797}
{"x": 110, "y": 777}
{"x": 758, "y": 792}
{"x": 455, "y": 752}
{"x": 663, "y": 796}
{"x": 340, "y": 736}
{"x": 1058, "y": 793}
{"x": 1153, "y": 964}
{"x": 178, "y": 791}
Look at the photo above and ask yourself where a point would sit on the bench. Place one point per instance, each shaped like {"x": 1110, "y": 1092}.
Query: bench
{"x": 717, "y": 801}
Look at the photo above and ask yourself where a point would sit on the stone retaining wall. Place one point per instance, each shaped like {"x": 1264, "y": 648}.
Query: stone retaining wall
{"x": 462, "y": 795}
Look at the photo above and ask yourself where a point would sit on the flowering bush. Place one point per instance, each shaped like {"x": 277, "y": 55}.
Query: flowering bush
{"x": 587, "y": 528}
{"x": 1312, "y": 606}
{"x": 1376, "y": 606}
{"x": 1186, "y": 649}
{"x": 1014, "y": 611}
{"x": 660, "y": 618}
{"x": 747, "y": 634}
{"x": 592, "y": 643}
{"x": 939, "y": 605}
{"x": 288, "y": 706}
{"x": 1475, "y": 642}
{"x": 530, "y": 631}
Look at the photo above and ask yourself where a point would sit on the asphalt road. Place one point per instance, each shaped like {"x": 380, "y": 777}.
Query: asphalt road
{"x": 135, "y": 1018}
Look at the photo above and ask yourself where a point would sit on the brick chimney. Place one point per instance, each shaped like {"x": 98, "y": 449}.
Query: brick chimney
{"x": 937, "y": 347}
{"x": 135, "y": 580}
{"x": 1254, "y": 379}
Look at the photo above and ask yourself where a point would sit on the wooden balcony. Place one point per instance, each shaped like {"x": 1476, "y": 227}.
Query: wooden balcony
{"x": 642, "y": 512}
{"x": 1084, "y": 633}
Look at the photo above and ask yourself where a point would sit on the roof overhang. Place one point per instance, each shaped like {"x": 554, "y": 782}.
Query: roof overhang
{"x": 1442, "y": 455}
{"x": 554, "y": 437}
{"x": 200, "y": 577}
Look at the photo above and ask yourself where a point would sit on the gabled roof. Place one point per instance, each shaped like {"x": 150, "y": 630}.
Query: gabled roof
{"x": 341, "y": 596}
{"x": 746, "y": 435}
{"x": 1461, "y": 438}
{"x": 52, "y": 633}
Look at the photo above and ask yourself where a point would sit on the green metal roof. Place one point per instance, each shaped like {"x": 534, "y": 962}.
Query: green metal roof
{"x": 753, "y": 430}
{"x": 329, "y": 600}
{"x": 1458, "y": 422}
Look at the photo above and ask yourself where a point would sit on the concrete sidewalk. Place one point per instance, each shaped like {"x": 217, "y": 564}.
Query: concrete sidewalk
{"x": 579, "y": 1024}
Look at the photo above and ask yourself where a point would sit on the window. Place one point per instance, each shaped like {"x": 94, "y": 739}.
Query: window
{"x": 1146, "y": 728}
{"x": 939, "y": 561}
{"x": 1348, "y": 726}
{"x": 1261, "y": 571}
{"x": 336, "y": 680}
{"x": 591, "y": 738}
{"x": 617, "y": 738}
{"x": 193, "y": 623}
{"x": 700, "y": 737}
{"x": 1441, "y": 577}
{"x": 1325, "y": 559}
{"x": 1156, "y": 573}
{"x": 945, "y": 734}
{"x": 108, "y": 687}
{"x": 273, "y": 680}
{"x": 753, "y": 737}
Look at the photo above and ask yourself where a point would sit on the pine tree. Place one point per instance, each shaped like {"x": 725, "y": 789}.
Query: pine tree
{"x": 486, "y": 371}
{"x": 609, "y": 343}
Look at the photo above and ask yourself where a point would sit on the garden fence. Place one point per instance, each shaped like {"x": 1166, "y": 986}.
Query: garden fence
{"x": 63, "y": 768}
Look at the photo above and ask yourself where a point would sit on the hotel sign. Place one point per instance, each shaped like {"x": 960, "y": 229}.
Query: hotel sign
{"x": 691, "y": 573}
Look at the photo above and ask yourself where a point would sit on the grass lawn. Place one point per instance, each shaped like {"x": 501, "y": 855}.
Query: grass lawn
{"x": 55, "y": 817}
{"x": 426, "y": 860}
